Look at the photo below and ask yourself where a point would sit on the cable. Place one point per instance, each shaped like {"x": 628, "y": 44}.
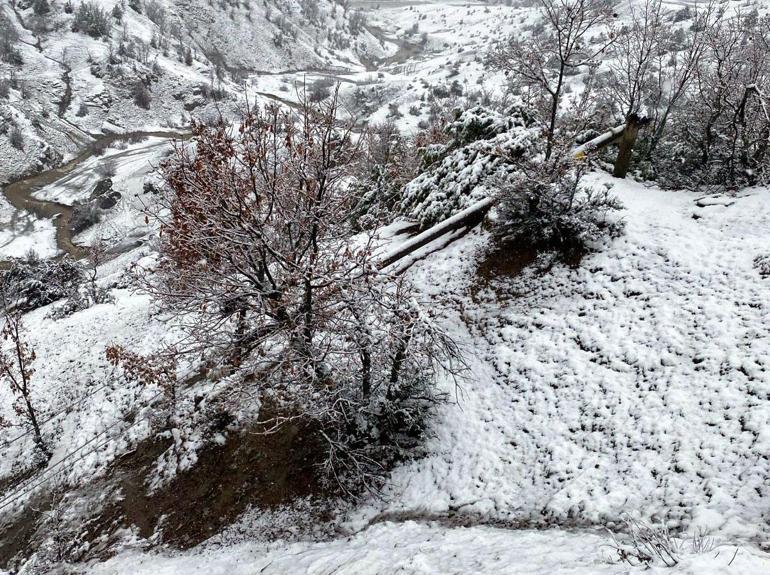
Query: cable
{"x": 47, "y": 474}
{"x": 54, "y": 416}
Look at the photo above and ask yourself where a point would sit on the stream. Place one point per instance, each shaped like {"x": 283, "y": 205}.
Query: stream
{"x": 20, "y": 193}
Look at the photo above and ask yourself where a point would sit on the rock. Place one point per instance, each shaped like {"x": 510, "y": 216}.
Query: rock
{"x": 109, "y": 200}
{"x": 83, "y": 216}
{"x": 101, "y": 188}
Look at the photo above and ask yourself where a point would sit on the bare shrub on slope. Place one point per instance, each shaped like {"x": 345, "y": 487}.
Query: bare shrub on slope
{"x": 16, "y": 358}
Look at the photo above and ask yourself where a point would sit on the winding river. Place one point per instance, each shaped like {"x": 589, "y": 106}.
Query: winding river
{"x": 20, "y": 193}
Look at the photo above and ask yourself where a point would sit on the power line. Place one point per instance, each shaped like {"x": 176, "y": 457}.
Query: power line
{"x": 48, "y": 472}
{"x": 55, "y": 415}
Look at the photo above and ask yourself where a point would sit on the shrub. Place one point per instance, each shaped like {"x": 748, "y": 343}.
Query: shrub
{"x": 31, "y": 282}
{"x": 357, "y": 22}
{"x": 475, "y": 148}
{"x": 155, "y": 12}
{"x": 762, "y": 265}
{"x": 16, "y": 137}
{"x": 41, "y": 7}
{"x": 550, "y": 205}
{"x": 142, "y": 96}
{"x": 91, "y": 19}
{"x": 320, "y": 90}
{"x": 8, "y": 39}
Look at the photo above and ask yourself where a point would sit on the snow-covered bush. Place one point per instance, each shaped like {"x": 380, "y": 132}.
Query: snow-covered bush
{"x": 16, "y": 137}
{"x": 543, "y": 203}
{"x": 484, "y": 146}
{"x": 142, "y": 96}
{"x": 551, "y": 205}
{"x": 155, "y": 12}
{"x": 648, "y": 545}
{"x": 32, "y": 282}
{"x": 91, "y": 19}
{"x": 388, "y": 161}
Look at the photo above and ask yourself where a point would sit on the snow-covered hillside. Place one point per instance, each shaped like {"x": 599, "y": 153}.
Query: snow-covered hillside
{"x": 635, "y": 383}
{"x": 65, "y": 88}
{"x": 630, "y": 384}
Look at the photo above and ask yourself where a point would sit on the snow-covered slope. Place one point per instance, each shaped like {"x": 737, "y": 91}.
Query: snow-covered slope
{"x": 637, "y": 382}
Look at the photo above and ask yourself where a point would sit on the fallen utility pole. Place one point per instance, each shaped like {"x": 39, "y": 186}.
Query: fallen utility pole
{"x": 624, "y": 135}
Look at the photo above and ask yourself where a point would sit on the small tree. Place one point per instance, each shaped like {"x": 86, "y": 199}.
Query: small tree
{"x": 117, "y": 13}
{"x": 542, "y": 61}
{"x": 630, "y": 79}
{"x": 9, "y": 36}
{"x": 16, "y": 368}
{"x": 259, "y": 264}
{"x": 142, "y": 96}
{"x": 550, "y": 205}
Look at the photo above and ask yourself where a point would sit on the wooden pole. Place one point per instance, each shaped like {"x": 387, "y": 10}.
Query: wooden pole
{"x": 626, "y": 144}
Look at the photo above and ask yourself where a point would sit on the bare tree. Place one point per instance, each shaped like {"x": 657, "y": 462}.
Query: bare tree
{"x": 728, "y": 119}
{"x": 631, "y": 66}
{"x": 543, "y": 60}
{"x": 675, "y": 63}
{"x": 16, "y": 368}
{"x": 261, "y": 270}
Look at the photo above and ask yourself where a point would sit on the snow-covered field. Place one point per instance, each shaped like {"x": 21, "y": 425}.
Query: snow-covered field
{"x": 637, "y": 382}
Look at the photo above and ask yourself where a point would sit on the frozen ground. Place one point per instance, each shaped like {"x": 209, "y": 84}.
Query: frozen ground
{"x": 634, "y": 383}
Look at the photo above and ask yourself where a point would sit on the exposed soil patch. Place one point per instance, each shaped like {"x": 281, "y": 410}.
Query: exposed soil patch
{"x": 508, "y": 260}
{"x": 250, "y": 469}
{"x": 505, "y": 261}
{"x": 15, "y": 536}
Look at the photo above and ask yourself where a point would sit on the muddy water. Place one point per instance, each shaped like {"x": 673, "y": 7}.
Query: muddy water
{"x": 20, "y": 193}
